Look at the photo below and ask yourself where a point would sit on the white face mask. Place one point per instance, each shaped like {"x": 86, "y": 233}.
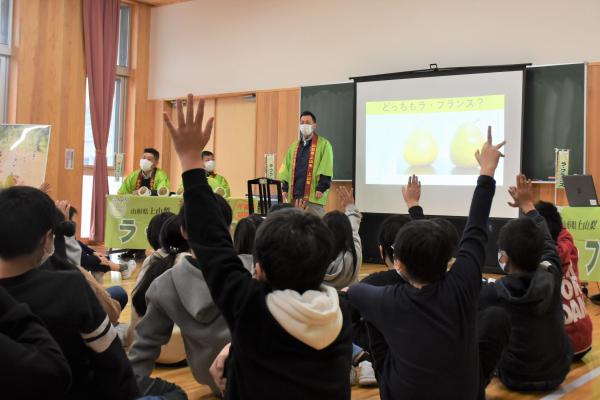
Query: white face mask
{"x": 145, "y": 165}
{"x": 306, "y": 130}
{"x": 500, "y": 263}
{"x": 210, "y": 165}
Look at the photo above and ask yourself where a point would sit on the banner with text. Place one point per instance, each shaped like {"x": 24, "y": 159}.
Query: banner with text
{"x": 584, "y": 225}
{"x": 127, "y": 217}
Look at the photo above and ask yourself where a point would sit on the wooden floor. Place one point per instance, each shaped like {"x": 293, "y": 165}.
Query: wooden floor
{"x": 574, "y": 391}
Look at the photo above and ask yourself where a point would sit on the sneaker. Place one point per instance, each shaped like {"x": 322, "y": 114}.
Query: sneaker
{"x": 127, "y": 269}
{"x": 353, "y": 376}
{"x": 366, "y": 374}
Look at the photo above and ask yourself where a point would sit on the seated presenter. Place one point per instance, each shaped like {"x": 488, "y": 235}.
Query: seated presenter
{"x": 307, "y": 168}
{"x": 217, "y": 182}
{"x": 148, "y": 175}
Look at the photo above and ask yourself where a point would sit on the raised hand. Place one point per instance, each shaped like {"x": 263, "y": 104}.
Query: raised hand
{"x": 346, "y": 197}
{"x": 489, "y": 155}
{"x": 412, "y": 191}
{"x": 522, "y": 194}
{"x": 63, "y": 206}
{"x": 189, "y": 138}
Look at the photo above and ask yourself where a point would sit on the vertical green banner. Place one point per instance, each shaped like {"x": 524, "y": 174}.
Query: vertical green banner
{"x": 584, "y": 225}
{"x": 127, "y": 218}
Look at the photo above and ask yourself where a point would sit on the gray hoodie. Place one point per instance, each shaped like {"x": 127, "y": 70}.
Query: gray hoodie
{"x": 341, "y": 272}
{"x": 180, "y": 296}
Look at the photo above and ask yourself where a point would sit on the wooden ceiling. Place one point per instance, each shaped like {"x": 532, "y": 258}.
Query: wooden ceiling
{"x": 159, "y": 3}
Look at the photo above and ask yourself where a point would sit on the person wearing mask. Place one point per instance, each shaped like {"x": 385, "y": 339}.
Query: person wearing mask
{"x": 307, "y": 168}
{"x": 148, "y": 175}
{"x": 217, "y": 182}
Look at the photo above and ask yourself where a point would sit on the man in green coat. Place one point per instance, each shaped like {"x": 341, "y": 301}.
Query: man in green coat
{"x": 307, "y": 168}
{"x": 148, "y": 175}
{"x": 217, "y": 182}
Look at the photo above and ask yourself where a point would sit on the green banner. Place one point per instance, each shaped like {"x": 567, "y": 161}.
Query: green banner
{"x": 584, "y": 225}
{"x": 127, "y": 217}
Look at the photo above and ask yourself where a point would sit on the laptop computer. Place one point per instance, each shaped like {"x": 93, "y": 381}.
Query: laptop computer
{"x": 581, "y": 191}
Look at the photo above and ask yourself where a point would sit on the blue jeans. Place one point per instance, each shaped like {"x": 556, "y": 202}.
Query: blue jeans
{"x": 119, "y": 294}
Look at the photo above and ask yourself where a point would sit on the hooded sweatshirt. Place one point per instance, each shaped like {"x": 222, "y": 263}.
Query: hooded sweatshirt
{"x": 342, "y": 271}
{"x": 578, "y": 323}
{"x": 539, "y": 350}
{"x": 180, "y": 296}
{"x": 284, "y": 344}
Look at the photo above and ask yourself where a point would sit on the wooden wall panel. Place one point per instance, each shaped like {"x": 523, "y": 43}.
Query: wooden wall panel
{"x": 48, "y": 84}
{"x": 235, "y": 141}
{"x": 276, "y": 124}
{"x": 173, "y": 167}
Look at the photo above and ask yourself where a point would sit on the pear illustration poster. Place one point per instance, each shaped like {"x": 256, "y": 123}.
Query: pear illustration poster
{"x": 23, "y": 154}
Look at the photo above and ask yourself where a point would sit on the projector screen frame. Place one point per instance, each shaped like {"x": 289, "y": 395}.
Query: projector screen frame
{"x": 437, "y": 72}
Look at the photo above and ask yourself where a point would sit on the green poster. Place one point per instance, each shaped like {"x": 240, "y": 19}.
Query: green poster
{"x": 584, "y": 225}
{"x": 127, "y": 218}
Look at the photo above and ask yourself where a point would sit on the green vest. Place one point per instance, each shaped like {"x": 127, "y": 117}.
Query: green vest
{"x": 160, "y": 180}
{"x": 215, "y": 182}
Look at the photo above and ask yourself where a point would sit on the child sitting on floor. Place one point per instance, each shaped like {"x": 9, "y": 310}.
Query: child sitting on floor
{"x": 577, "y": 320}
{"x": 347, "y": 246}
{"x": 63, "y": 300}
{"x": 430, "y": 323}
{"x": 180, "y": 297}
{"x": 290, "y": 334}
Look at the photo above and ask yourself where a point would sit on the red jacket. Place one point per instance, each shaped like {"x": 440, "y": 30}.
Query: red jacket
{"x": 577, "y": 321}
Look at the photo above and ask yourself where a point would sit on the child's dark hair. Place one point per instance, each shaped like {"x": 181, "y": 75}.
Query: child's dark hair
{"x": 293, "y": 250}
{"x": 245, "y": 233}
{"x": 223, "y": 206}
{"x": 342, "y": 240}
{"x": 523, "y": 242}
{"x": 59, "y": 260}
{"x": 172, "y": 242}
{"x": 154, "y": 226}
{"x": 27, "y": 216}
{"x": 387, "y": 234}
{"x": 280, "y": 206}
{"x": 72, "y": 212}
{"x": 424, "y": 248}
{"x": 552, "y": 217}
{"x": 450, "y": 230}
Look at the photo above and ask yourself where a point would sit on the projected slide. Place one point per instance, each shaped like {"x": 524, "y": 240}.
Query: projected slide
{"x": 433, "y": 138}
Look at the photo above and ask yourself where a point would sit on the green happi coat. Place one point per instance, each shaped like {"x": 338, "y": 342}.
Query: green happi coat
{"x": 216, "y": 181}
{"x": 323, "y": 165}
{"x": 160, "y": 180}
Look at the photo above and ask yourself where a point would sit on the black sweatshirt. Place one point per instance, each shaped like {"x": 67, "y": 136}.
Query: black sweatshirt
{"x": 72, "y": 314}
{"x": 29, "y": 355}
{"x": 89, "y": 261}
{"x": 265, "y": 361}
{"x": 431, "y": 332}
{"x": 539, "y": 348}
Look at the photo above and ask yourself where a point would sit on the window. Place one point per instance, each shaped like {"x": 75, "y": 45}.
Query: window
{"x": 116, "y": 132}
{"x": 116, "y": 138}
{"x": 5, "y": 52}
